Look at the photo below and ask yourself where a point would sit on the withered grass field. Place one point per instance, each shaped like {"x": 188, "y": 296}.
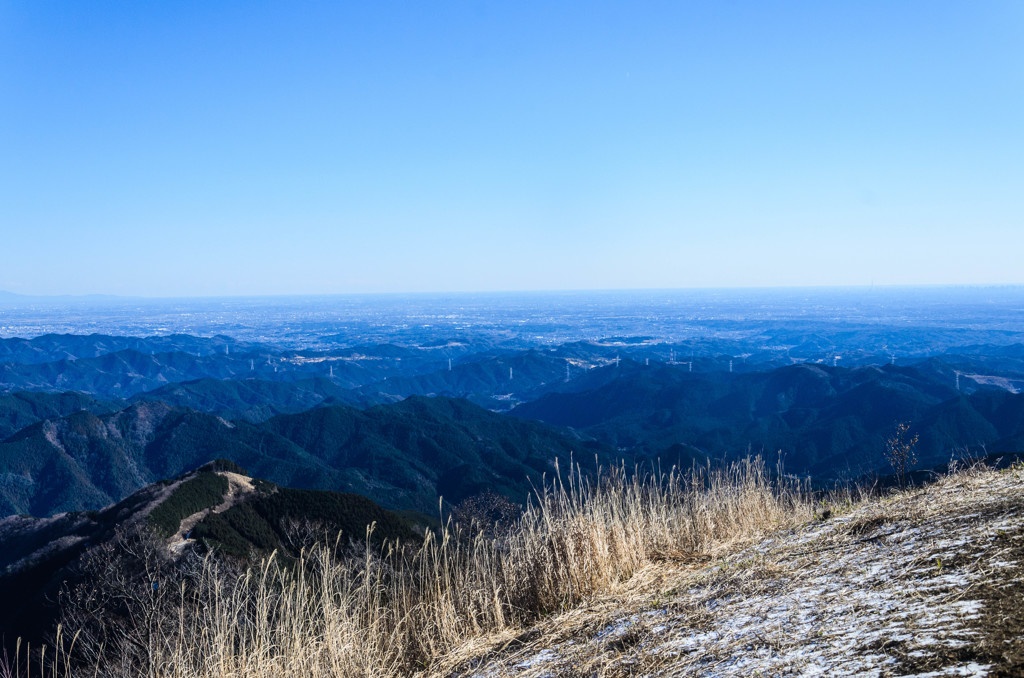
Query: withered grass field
{"x": 711, "y": 572}
{"x": 926, "y": 582}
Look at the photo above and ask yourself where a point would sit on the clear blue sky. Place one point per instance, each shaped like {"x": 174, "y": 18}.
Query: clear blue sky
{"x": 208, "y": 148}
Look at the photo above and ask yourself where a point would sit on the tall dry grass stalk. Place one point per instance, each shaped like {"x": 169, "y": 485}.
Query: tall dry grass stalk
{"x": 396, "y": 610}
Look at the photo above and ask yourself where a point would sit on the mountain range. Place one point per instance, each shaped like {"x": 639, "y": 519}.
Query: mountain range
{"x": 828, "y": 422}
{"x": 404, "y": 455}
{"x": 71, "y": 451}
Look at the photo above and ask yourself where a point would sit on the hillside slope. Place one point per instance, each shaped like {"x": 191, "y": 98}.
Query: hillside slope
{"x": 828, "y": 422}
{"x": 930, "y": 582}
{"x": 254, "y": 400}
{"x": 24, "y": 408}
{"x": 52, "y": 347}
{"x": 403, "y": 455}
{"x": 215, "y": 507}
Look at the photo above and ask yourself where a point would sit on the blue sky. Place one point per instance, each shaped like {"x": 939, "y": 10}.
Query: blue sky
{"x": 198, "y": 148}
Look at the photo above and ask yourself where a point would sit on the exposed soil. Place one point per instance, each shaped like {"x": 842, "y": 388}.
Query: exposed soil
{"x": 238, "y": 487}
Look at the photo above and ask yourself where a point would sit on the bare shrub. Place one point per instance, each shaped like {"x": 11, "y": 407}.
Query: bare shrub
{"x": 128, "y": 599}
{"x": 901, "y": 452}
{"x": 489, "y": 513}
{"x": 301, "y": 534}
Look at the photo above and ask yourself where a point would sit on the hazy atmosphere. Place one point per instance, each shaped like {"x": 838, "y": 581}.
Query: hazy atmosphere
{"x": 267, "y": 148}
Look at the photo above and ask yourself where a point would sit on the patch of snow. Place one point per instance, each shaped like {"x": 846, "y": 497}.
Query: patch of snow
{"x": 541, "y": 657}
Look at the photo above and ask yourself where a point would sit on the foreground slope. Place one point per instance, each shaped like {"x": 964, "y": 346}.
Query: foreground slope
{"x": 930, "y": 582}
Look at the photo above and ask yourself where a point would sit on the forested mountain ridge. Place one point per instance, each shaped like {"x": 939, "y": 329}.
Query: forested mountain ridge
{"x": 48, "y": 348}
{"x": 404, "y": 455}
{"x": 216, "y": 507}
{"x": 24, "y": 408}
{"x": 828, "y": 422}
{"x": 254, "y": 400}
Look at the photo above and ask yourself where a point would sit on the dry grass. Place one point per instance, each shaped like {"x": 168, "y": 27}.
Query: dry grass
{"x": 930, "y": 580}
{"x": 399, "y": 611}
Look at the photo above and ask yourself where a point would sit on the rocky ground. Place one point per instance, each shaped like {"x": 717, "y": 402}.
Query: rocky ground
{"x": 929, "y": 582}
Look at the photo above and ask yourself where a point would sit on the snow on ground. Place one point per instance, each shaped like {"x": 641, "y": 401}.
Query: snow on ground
{"x": 929, "y": 583}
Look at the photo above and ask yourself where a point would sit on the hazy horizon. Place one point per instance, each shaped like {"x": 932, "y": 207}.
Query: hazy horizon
{"x": 527, "y": 292}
